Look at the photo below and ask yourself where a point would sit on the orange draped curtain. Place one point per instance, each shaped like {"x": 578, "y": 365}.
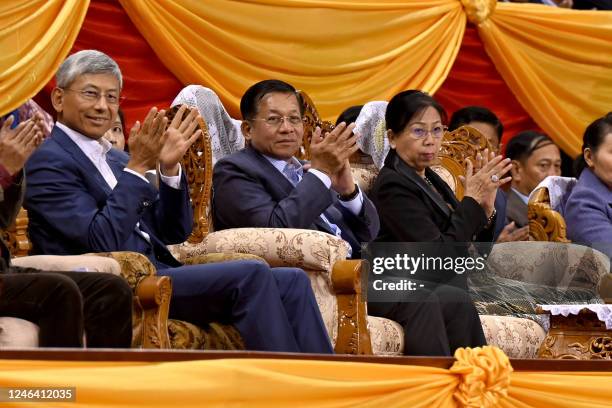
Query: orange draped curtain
{"x": 556, "y": 62}
{"x": 35, "y": 37}
{"x": 478, "y": 378}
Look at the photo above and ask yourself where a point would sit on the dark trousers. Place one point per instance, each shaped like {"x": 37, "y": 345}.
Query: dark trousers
{"x": 273, "y": 309}
{"x": 436, "y": 322}
{"x": 63, "y": 304}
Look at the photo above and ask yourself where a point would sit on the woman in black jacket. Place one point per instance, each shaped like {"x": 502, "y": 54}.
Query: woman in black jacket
{"x": 415, "y": 205}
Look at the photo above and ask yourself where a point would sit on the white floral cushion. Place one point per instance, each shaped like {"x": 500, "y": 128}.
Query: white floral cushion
{"x": 17, "y": 333}
{"x": 288, "y": 247}
{"x": 386, "y": 336}
{"x": 549, "y": 263}
{"x": 517, "y": 337}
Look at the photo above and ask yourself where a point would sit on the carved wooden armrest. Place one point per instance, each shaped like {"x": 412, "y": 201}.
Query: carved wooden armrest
{"x": 151, "y": 299}
{"x": 348, "y": 281}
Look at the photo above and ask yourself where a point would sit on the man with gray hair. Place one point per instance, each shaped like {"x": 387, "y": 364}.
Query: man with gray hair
{"x": 84, "y": 196}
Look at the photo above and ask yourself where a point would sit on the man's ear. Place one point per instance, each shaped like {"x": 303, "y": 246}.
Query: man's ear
{"x": 515, "y": 171}
{"x": 588, "y": 157}
{"x": 57, "y": 100}
{"x": 246, "y": 129}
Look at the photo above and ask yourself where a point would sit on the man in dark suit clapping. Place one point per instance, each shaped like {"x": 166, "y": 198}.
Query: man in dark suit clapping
{"x": 264, "y": 185}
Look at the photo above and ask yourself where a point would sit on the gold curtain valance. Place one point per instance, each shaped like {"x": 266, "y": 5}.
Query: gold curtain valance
{"x": 35, "y": 37}
{"x": 557, "y": 62}
{"x": 479, "y": 378}
{"x": 341, "y": 52}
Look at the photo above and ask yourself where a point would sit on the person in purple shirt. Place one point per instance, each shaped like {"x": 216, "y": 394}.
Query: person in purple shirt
{"x": 588, "y": 211}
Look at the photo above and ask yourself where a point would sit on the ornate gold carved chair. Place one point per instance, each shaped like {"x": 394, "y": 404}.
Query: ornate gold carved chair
{"x": 463, "y": 143}
{"x": 544, "y": 209}
{"x": 151, "y": 292}
{"x": 335, "y": 280}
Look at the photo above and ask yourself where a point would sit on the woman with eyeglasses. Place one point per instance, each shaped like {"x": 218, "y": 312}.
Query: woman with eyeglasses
{"x": 415, "y": 205}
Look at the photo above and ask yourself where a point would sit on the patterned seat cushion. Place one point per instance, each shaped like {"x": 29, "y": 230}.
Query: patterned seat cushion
{"x": 387, "y": 336}
{"x": 184, "y": 335}
{"x": 517, "y": 337}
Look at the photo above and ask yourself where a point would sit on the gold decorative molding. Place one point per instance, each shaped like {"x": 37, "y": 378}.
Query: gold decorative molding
{"x": 577, "y": 337}
{"x": 312, "y": 119}
{"x": 457, "y": 146}
{"x": 16, "y": 236}
{"x": 545, "y": 224}
{"x": 197, "y": 164}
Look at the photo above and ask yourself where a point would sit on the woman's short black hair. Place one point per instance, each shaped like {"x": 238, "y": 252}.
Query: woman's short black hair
{"x": 349, "y": 115}
{"x": 470, "y": 114}
{"x": 251, "y": 98}
{"x": 403, "y": 106}
{"x": 522, "y": 146}
{"x": 593, "y": 137}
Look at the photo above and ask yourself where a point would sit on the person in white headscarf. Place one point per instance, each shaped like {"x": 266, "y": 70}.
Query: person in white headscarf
{"x": 371, "y": 131}
{"x": 225, "y": 135}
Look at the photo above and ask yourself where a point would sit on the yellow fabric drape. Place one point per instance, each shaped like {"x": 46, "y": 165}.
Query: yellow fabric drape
{"x": 35, "y": 37}
{"x": 557, "y": 62}
{"x": 306, "y": 383}
{"x": 341, "y": 52}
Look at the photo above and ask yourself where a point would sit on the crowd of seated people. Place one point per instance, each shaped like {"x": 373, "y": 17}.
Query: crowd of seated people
{"x": 86, "y": 194}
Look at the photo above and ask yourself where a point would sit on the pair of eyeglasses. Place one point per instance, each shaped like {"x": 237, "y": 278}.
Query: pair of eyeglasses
{"x": 94, "y": 96}
{"x": 275, "y": 121}
{"x": 419, "y": 132}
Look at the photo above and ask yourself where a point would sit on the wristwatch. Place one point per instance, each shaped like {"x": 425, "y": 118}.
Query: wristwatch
{"x": 349, "y": 197}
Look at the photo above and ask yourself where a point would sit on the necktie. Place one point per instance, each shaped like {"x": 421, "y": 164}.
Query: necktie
{"x": 293, "y": 173}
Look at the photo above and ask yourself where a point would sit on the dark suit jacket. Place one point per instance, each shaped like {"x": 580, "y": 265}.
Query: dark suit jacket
{"x": 248, "y": 191}
{"x": 500, "y": 207}
{"x": 588, "y": 213}
{"x": 410, "y": 211}
{"x": 516, "y": 210}
{"x": 72, "y": 210}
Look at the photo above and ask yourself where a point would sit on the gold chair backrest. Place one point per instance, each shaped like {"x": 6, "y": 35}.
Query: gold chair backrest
{"x": 197, "y": 164}
{"x": 545, "y": 224}
{"x": 457, "y": 146}
{"x": 312, "y": 119}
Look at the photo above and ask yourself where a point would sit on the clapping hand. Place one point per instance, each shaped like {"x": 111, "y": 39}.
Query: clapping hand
{"x": 511, "y": 233}
{"x": 18, "y": 144}
{"x": 146, "y": 141}
{"x": 482, "y": 185}
{"x": 330, "y": 154}
{"x": 179, "y": 136}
